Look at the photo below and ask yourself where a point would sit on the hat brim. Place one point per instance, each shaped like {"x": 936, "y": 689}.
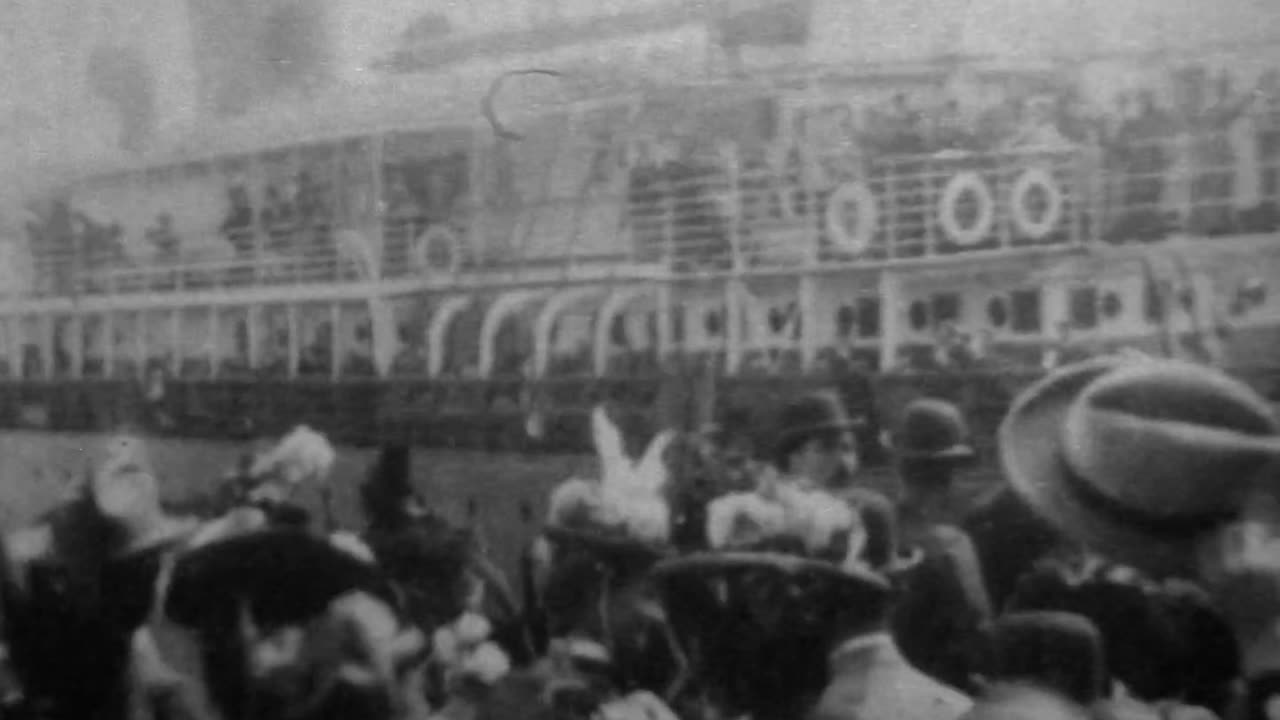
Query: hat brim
{"x": 790, "y": 435}
{"x": 608, "y": 545}
{"x": 959, "y": 454}
{"x": 710, "y": 563}
{"x": 286, "y": 576}
{"x": 1033, "y": 458}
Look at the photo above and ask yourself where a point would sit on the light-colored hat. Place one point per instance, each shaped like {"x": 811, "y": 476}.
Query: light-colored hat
{"x": 626, "y": 510}
{"x": 1139, "y": 458}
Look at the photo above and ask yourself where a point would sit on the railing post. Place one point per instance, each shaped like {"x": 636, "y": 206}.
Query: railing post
{"x": 890, "y": 332}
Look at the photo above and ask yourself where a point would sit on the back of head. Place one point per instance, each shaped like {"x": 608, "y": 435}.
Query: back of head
{"x": 1056, "y": 650}
{"x": 1020, "y": 701}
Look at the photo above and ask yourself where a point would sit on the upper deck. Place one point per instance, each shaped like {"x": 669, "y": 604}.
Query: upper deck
{"x": 746, "y": 179}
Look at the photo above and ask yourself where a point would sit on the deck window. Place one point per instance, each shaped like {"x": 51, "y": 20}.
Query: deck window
{"x": 1084, "y": 308}
{"x": 868, "y": 317}
{"x": 1026, "y": 311}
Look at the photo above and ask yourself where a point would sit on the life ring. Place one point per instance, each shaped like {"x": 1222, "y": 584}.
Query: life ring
{"x": 962, "y": 183}
{"x": 868, "y": 217}
{"x": 1029, "y": 180}
{"x": 432, "y": 237}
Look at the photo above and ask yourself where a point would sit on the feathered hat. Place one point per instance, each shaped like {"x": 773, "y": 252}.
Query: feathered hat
{"x": 789, "y": 528}
{"x": 125, "y": 490}
{"x": 302, "y": 455}
{"x": 626, "y": 510}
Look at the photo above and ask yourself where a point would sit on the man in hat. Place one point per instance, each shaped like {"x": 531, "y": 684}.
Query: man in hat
{"x": 871, "y": 677}
{"x": 1170, "y": 467}
{"x": 939, "y": 620}
{"x": 816, "y": 444}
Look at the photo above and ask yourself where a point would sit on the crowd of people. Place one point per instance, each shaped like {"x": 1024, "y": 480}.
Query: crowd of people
{"x": 1123, "y": 567}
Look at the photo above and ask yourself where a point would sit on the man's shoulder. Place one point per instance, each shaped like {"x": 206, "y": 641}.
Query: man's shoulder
{"x": 897, "y": 691}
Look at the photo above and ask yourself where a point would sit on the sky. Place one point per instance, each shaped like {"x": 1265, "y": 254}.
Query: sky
{"x": 47, "y": 115}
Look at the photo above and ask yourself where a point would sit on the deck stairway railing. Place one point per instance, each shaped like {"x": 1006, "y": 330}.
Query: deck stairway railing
{"x": 732, "y": 214}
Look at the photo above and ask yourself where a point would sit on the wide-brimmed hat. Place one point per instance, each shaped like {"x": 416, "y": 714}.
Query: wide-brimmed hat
{"x": 810, "y": 414}
{"x": 931, "y": 429}
{"x": 606, "y": 544}
{"x": 1138, "y": 458}
{"x": 711, "y": 564}
{"x": 285, "y": 576}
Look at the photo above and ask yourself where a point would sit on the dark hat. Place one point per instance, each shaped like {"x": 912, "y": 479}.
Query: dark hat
{"x": 392, "y": 470}
{"x": 932, "y": 429}
{"x": 612, "y": 548}
{"x": 1057, "y": 650}
{"x": 810, "y": 414}
{"x": 711, "y": 564}
{"x": 1139, "y": 458}
{"x": 286, "y": 576}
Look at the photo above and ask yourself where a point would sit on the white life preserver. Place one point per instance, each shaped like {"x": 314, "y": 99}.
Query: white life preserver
{"x": 431, "y": 237}
{"x": 1030, "y": 227}
{"x": 868, "y": 217}
{"x": 968, "y": 181}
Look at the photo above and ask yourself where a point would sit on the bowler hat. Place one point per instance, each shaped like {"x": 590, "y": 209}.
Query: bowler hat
{"x": 1138, "y": 458}
{"x": 811, "y": 414}
{"x": 932, "y": 429}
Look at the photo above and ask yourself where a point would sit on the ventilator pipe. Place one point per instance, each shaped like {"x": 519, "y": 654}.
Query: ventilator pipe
{"x": 487, "y": 105}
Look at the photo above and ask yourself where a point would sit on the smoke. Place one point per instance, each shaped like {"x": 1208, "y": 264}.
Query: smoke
{"x": 122, "y": 77}
{"x": 247, "y": 52}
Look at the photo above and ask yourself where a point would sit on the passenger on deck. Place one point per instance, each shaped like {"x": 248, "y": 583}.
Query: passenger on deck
{"x": 317, "y": 357}
{"x": 237, "y": 228}
{"x": 1039, "y": 130}
{"x": 164, "y": 239}
{"x": 278, "y": 218}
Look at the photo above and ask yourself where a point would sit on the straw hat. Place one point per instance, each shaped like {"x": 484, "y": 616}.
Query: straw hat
{"x": 1139, "y": 458}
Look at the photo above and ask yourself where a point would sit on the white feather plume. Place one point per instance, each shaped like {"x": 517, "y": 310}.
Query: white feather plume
{"x": 743, "y": 519}
{"x": 464, "y": 649}
{"x": 608, "y": 444}
{"x": 650, "y": 473}
{"x": 572, "y": 499}
{"x": 816, "y": 518}
{"x": 629, "y": 495}
{"x": 351, "y": 544}
{"x": 302, "y": 455}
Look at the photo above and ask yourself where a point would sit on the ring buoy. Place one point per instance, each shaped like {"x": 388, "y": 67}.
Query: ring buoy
{"x": 868, "y": 217}
{"x": 427, "y": 244}
{"x": 1030, "y": 180}
{"x": 956, "y": 188}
